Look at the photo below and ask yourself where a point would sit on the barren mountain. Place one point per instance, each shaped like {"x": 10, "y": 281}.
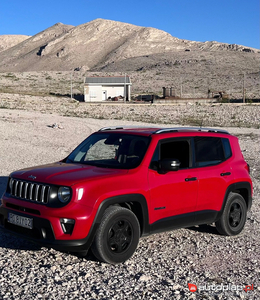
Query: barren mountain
{"x": 8, "y": 41}
{"x": 153, "y": 59}
{"x": 97, "y": 44}
{"x": 26, "y": 54}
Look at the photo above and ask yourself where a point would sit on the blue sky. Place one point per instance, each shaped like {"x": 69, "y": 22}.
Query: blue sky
{"x": 227, "y": 21}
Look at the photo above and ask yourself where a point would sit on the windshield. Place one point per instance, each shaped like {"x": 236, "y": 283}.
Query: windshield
{"x": 111, "y": 150}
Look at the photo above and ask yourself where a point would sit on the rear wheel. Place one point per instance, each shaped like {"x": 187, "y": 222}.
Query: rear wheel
{"x": 117, "y": 236}
{"x": 233, "y": 217}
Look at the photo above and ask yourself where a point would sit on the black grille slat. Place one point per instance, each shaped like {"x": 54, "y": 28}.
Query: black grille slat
{"x": 20, "y": 189}
{"x": 15, "y": 188}
{"x": 30, "y": 191}
{"x": 36, "y": 192}
{"x": 47, "y": 192}
{"x": 42, "y": 193}
{"x": 25, "y": 190}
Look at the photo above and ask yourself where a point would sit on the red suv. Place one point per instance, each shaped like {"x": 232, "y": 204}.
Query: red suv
{"x": 123, "y": 183}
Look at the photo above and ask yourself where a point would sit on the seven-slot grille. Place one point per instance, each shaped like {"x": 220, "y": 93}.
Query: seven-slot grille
{"x": 29, "y": 191}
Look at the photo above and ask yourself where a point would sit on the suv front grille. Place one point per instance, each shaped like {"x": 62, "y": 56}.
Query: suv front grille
{"x": 29, "y": 191}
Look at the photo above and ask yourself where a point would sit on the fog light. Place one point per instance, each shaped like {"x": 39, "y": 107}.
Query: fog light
{"x": 67, "y": 225}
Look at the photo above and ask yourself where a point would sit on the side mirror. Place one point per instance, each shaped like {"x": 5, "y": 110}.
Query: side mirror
{"x": 166, "y": 165}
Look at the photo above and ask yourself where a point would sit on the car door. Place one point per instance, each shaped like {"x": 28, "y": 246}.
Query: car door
{"x": 214, "y": 172}
{"x": 173, "y": 194}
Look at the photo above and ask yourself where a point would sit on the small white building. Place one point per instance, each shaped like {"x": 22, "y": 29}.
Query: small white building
{"x": 97, "y": 89}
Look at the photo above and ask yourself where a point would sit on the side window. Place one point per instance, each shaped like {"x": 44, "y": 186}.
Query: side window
{"x": 172, "y": 149}
{"x": 208, "y": 151}
{"x": 227, "y": 148}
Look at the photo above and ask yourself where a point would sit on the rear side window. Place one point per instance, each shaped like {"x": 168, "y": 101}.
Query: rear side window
{"x": 227, "y": 148}
{"x": 208, "y": 151}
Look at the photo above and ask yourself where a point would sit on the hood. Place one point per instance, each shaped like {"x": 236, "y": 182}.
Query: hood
{"x": 66, "y": 174}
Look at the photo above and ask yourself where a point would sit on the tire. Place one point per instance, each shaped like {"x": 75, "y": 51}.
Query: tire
{"x": 233, "y": 218}
{"x": 117, "y": 236}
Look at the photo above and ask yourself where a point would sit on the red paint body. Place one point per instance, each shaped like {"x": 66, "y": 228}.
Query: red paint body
{"x": 167, "y": 194}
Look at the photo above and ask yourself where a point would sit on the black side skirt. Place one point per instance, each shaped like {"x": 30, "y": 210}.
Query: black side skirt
{"x": 184, "y": 221}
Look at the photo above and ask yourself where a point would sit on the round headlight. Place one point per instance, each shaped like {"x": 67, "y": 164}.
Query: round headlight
{"x": 64, "y": 194}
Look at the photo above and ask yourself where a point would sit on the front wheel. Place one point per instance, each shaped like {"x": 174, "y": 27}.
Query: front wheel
{"x": 117, "y": 236}
{"x": 233, "y": 217}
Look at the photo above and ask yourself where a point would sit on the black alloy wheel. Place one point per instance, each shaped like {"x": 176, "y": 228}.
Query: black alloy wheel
{"x": 117, "y": 236}
{"x": 233, "y": 218}
{"x": 235, "y": 215}
{"x": 120, "y": 236}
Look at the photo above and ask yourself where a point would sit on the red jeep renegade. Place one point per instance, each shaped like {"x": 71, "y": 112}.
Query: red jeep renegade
{"x": 123, "y": 183}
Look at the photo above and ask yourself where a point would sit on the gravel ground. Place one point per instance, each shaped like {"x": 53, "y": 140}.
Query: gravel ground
{"x": 189, "y": 113}
{"x": 163, "y": 264}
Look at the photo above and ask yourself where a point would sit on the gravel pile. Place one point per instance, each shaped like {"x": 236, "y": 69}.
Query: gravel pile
{"x": 164, "y": 264}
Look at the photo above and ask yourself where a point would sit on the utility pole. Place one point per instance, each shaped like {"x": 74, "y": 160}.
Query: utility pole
{"x": 71, "y": 84}
{"x": 208, "y": 93}
{"x": 181, "y": 88}
{"x": 125, "y": 89}
{"x": 244, "y": 90}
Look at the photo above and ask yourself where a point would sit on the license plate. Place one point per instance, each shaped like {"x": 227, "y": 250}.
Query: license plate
{"x": 20, "y": 221}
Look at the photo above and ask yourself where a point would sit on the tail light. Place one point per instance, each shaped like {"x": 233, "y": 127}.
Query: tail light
{"x": 248, "y": 168}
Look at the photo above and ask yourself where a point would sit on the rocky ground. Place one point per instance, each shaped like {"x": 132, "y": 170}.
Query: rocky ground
{"x": 188, "y": 113}
{"x": 164, "y": 264}
{"x": 184, "y": 79}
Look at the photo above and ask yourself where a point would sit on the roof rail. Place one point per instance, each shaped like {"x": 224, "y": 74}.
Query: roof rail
{"x": 111, "y": 128}
{"x": 119, "y": 127}
{"x": 203, "y": 129}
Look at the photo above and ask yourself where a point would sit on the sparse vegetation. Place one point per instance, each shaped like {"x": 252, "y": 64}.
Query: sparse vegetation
{"x": 217, "y": 115}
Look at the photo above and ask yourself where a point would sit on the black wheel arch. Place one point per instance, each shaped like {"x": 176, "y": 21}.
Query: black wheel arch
{"x": 135, "y": 202}
{"x": 242, "y": 188}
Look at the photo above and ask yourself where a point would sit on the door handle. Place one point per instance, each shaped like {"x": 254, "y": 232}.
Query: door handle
{"x": 225, "y": 174}
{"x": 191, "y": 179}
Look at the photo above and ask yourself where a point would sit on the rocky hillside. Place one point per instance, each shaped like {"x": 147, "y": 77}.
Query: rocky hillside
{"x": 26, "y": 54}
{"x": 8, "y": 41}
{"x": 153, "y": 59}
{"x": 97, "y": 44}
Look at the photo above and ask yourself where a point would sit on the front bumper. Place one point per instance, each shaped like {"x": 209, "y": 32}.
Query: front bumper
{"x": 42, "y": 233}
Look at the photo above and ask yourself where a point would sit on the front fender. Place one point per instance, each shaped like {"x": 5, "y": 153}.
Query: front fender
{"x": 143, "y": 215}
